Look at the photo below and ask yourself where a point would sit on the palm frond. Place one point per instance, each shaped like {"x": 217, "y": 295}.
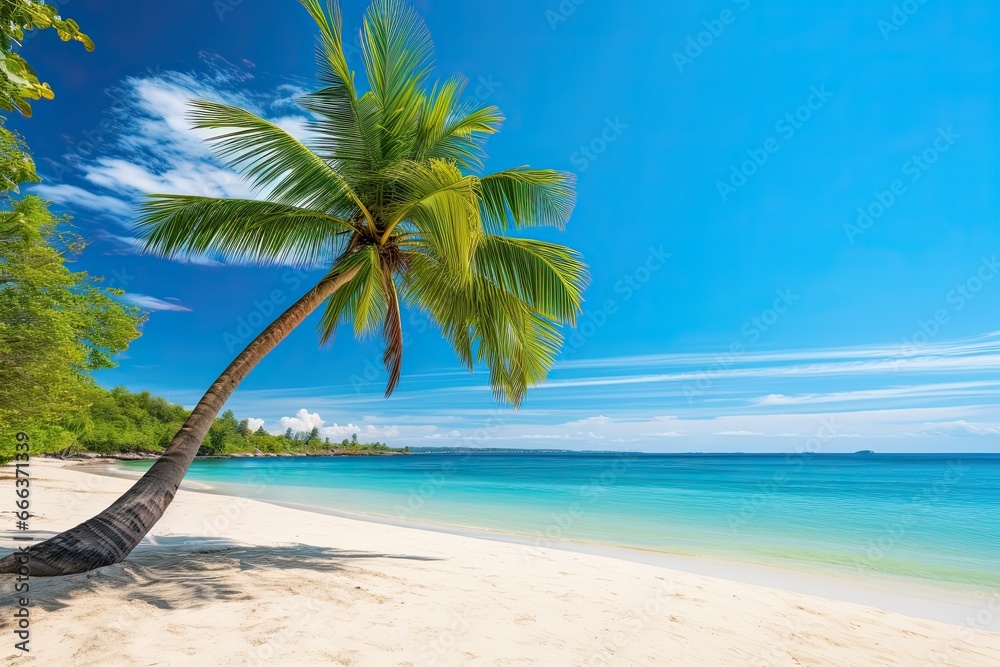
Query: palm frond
{"x": 453, "y": 130}
{"x": 348, "y": 126}
{"x": 518, "y": 345}
{"x": 334, "y": 70}
{"x": 525, "y": 197}
{"x": 487, "y": 323}
{"x": 465, "y": 133}
{"x": 241, "y": 230}
{"x": 426, "y": 287}
{"x": 548, "y": 276}
{"x": 438, "y": 204}
{"x": 348, "y": 131}
{"x": 362, "y": 301}
{"x": 397, "y": 51}
{"x": 392, "y": 331}
{"x": 274, "y": 161}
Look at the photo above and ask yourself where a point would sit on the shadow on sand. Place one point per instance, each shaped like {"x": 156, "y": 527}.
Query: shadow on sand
{"x": 187, "y": 572}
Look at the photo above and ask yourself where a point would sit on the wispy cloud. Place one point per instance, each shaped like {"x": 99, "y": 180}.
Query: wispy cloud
{"x": 989, "y": 342}
{"x": 769, "y": 404}
{"x": 134, "y": 244}
{"x": 305, "y": 421}
{"x": 155, "y": 150}
{"x": 75, "y": 199}
{"x": 938, "y": 390}
{"x": 153, "y": 303}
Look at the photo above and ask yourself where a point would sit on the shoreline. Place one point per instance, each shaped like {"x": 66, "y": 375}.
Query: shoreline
{"x": 943, "y": 601}
{"x": 94, "y": 457}
{"x": 233, "y": 581}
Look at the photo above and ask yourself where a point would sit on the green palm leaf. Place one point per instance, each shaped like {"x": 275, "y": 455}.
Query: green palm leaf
{"x": 239, "y": 230}
{"x": 348, "y": 127}
{"x": 549, "y": 277}
{"x": 363, "y": 301}
{"x": 397, "y": 51}
{"x": 453, "y": 130}
{"x": 273, "y": 160}
{"x": 527, "y": 198}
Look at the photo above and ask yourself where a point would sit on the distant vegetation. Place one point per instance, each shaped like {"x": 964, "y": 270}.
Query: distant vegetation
{"x": 121, "y": 422}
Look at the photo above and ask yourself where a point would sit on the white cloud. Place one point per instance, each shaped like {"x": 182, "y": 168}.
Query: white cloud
{"x": 599, "y": 420}
{"x": 253, "y": 423}
{"x": 305, "y": 421}
{"x": 74, "y": 199}
{"x": 958, "y": 427}
{"x": 975, "y": 354}
{"x": 289, "y": 94}
{"x": 137, "y": 244}
{"x": 932, "y": 390}
{"x": 945, "y": 401}
{"x": 153, "y": 303}
{"x": 155, "y": 150}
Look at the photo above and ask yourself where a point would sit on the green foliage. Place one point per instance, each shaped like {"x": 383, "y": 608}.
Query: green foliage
{"x": 227, "y": 436}
{"x": 56, "y": 326}
{"x": 18, "y": 81}
{"x": 16, "y": 166}
{"x": 121, "y": 422}
{"x": 385, "y": 194}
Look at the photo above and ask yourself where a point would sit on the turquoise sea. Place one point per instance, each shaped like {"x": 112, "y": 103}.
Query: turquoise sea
{"x": 932, "y": 517}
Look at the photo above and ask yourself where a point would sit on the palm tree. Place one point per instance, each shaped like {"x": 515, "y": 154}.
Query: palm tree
{"x": 386, "y": 198}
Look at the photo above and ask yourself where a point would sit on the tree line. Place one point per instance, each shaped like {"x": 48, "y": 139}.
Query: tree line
{"x": 121, "y": 422}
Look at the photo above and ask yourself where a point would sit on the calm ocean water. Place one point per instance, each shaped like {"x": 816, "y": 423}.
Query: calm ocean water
{"x": 934, "y": 517}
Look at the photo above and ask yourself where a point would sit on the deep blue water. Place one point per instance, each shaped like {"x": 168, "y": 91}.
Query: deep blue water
{"x": 935, "y": 517}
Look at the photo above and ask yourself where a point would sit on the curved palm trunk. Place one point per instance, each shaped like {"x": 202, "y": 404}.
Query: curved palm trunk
{"x": 111, "y": 535}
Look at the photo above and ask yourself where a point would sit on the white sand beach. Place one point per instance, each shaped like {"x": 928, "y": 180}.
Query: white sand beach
{"x": 229, "y": 581}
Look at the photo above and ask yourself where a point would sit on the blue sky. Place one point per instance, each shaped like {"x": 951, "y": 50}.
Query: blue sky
{"x": 789, "y": 209}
